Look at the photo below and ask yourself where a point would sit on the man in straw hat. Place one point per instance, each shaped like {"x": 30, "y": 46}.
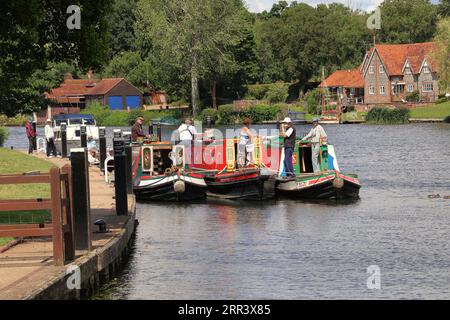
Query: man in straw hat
{"x": 317, "y": 136}
{"x": 50, "y": 139}
{"x": 137, "y": 131}
{"x": 289, "y": 134}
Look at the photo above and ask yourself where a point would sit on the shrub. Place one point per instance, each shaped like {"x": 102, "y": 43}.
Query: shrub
{"x": 256, "y": 91}
{"x": 441, "y": 100}
{"x": 100, "y": 113}
{"x": 226, "y": 114}
{"x": 312, "y": 98}
{"x": 447, "y": 119}
{"x": 16, "y": 121}
{"x": 413, "y": 97}
{"x": 278, "y": 92}
{"x": 4, "y": 133}
{"x": 388, "y": 116}
{"x": 117, "y": 119}
{"x": 210, "y": 112}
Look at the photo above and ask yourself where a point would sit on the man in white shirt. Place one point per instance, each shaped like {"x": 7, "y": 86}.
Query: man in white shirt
{"x": 289, "y": 134}
{"x": 50, "y": 138}
{"x": 317, "y": 136}
{"x": 187, "y": 134}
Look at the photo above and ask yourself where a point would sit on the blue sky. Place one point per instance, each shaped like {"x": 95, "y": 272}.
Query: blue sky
{"x": 367, "y": 5}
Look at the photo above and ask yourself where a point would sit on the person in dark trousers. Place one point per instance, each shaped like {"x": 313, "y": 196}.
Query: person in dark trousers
{"x": 31, "y": 135}
{"x": 50, "y": 138}
{"x": 137, "y": 131}
{"x": 289, "y": 134}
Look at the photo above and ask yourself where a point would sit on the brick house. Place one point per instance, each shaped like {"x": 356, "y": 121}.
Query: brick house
{"x": 74, "y": 95}
{"x": 391, "y": 72}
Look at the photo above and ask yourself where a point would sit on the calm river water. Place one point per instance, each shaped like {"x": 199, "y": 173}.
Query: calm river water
{"x": 296, "y": 250}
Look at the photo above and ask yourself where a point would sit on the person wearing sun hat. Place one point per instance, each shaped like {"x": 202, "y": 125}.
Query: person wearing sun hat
{"x": 289, "y": 134}
{"x": 317, "y": 136}
{"x": 137, "y": 131}
{"x": 50, "y": 138}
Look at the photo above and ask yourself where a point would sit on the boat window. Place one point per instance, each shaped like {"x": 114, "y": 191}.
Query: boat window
{"x": 89, "y": 122}
{"x": 76, "y": 121}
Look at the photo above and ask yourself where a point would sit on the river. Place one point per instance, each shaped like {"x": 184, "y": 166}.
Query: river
{"x": 288, "y": 249}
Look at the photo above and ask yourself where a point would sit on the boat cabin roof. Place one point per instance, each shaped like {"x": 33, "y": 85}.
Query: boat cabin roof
{"x": 74, "y": 119}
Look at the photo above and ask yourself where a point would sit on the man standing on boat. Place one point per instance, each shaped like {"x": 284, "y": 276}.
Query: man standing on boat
{"x": 137, "y": 131}
{"x": 289, "y": 134}
{"x": 187, "y": 134}
{"x": 317, "y": 136}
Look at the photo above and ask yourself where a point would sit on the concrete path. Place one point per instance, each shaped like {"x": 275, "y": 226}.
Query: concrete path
{"x": 27, "y": 268}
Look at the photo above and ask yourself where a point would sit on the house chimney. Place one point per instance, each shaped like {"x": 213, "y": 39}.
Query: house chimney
{"x": 68, "y": 76}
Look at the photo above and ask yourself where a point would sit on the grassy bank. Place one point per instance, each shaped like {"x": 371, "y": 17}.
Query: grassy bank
{"x": 438, "y": 111}
{"x": 14, "y": 162}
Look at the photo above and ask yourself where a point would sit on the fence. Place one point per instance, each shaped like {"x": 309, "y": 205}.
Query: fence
{"x": 60, "y": 205}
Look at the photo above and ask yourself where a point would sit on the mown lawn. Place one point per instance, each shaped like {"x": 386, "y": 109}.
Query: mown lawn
{"x": 13, "y": 162}
{"x": 438, "y": 111}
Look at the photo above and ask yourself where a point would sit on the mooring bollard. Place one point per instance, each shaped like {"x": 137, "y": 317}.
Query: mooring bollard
{"x": 64, "y": 140}
{"x": 129, "y": 164}
{"x": 102, "y": 145}
{"x": 83, "y": 136}
{"x": 81, "y": 199}
{"x": 120, "y": 177}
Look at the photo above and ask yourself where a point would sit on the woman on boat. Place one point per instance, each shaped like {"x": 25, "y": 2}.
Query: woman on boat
{"x": 245, "y": 144}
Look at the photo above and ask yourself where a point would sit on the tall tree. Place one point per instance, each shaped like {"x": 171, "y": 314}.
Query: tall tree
{"x": 444, "y": 8}
{"x": 407, "y": 21}
{"x": 35, "y": 32}
{"x": 122, "y": 36}
{"x": 443, "y": 53}
{"x": 190, "y": 35}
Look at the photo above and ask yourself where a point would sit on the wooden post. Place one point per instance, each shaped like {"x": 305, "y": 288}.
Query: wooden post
{"x": 57, "y": 222}
{"x": 69, "y": 234}
{"x": 81, "y": 199}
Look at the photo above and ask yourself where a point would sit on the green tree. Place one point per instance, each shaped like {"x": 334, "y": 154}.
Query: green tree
{"x": 131, "y": 66}
{"x": 443, "y": 53}
{"x": 189, "y": 36}
{"x": 444, "y": 8}
{"x": 122, "y": 36}
{"x": 33, "y": 33}
{"x": 407, "y": 21}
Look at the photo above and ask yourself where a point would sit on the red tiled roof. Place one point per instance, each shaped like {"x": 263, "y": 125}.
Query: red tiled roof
{"x": 74, "y": 90}
{"x": 394, "y": 56}
{"x": 71, "y": 90}
{"x": 104, "y": 86}
{"x": 345, "y": 79}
